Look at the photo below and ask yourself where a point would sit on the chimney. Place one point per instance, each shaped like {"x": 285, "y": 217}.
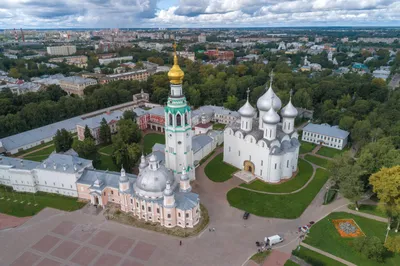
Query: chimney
{"x": 54, "y": 166}
{"x": 75, "y": 167}
{"x": 44, "y": 165}
{"x": 65, "y": 167}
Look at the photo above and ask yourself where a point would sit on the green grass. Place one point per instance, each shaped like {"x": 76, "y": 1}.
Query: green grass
{"x": 218, "y": 171}
{"x": 151, "y": 139}
{"x": 316, "y": 160}
{"x": 279, "y": 206}
{"x": 42, "y": 200}
{"x": 45, "y": 152}
{"x": 306, "y": 147}
{"x": 311, "y": 256}
{"x": 218, "y": 126}
{"x": 106, "y": 163}
{"x": 107, "y": 149}
{"x": 259, "y": 257}
{"x": 370, "y": 209}
{"x": 304, "y": 174}
{"x": 34, "y": 148}
{"x": 331, "y": 152}
{"x": 38, "y": 158}
{"x": 290, "y": 263}
{"x": 323, "y": 235}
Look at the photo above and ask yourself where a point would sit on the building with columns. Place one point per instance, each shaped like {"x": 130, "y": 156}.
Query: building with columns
{"x": 161, "y": 193}
{"x": 267, "y": 146}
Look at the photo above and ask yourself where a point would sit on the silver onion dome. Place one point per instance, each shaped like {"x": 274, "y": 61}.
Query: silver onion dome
{"x": 289, "y": 110}
{"x": 247, "y": 110}
{"x": 264, "y": 103}
{"x": 168, "y": 191}
{"x": 271, "y": 117}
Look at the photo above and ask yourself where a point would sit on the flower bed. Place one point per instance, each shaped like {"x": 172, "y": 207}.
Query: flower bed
{"x": 347, "y": 228}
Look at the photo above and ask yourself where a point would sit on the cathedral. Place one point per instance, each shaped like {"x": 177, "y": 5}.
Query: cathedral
{"x": 161, "y": 192}
{"x": 267, "y": 146}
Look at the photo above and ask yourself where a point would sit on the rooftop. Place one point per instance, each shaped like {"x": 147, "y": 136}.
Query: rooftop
{"x": 327, "y": 130}
{"x": 16, "y": 163}
{"x": 94, "y": 122}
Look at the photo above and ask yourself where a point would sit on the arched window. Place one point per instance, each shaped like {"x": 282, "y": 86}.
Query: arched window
{"x": 170, "y": 119}
{"x": 186, "y": 118}
{"x": 178, "y": 120}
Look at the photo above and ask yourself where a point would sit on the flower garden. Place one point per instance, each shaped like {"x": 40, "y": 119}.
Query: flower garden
{"x": 347, "y": 228}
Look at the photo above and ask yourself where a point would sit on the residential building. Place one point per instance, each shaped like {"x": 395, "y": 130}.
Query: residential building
{"x": 140, "y": 75}
{"x": 202, "y": 38}
{"x": 326, "y": 135}
{"x": 76, "y": 85}
{"x": 187, "y": 55}
{"x": 79, "y": 60}
{"x": 106, "y": 61}
{"x": 220, "y": 55}
{"x": 61, "y": 50}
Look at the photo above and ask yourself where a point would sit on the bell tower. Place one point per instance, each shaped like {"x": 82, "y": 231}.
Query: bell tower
{"x": 178, "y": 125}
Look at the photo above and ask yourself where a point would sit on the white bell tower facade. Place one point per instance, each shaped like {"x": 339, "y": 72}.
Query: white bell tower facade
{"x": 178, "y": 126}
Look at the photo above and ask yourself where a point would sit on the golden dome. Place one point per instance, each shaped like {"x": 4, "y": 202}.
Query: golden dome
{"x": 175, "y": 74}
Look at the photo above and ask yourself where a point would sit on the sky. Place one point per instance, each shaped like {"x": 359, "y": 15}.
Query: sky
{"x": 196, "y": 13}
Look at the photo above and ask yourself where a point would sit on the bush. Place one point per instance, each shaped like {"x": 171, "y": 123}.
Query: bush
{"x": 371, "y": 247}
{"x": 312, "y": 261}
{"x": 330, "y": 197}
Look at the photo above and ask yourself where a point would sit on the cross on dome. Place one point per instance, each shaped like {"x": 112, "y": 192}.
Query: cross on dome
{"x": 248, "y": 91}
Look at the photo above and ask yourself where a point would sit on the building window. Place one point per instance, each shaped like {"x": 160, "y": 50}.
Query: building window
{"x": 239, "y": 153}
{"x": 229, "y": 148}
{"x": 131, "y": 201}
{"x": 112, "y": 192}
{"x": 275, "y": 166}
{"x": 187, "y": 215}
{"x": 169, "y": 216}
{"x": 170, "y": 119}
{"x": 261, "y": 172}
{"x": 179, "y": 214}
{"x": 54, "y": 183}
{"x": 142, "y": 207}
{"x": 186, "y": 119}
{"x": 287, "y": 164}
{"x": 249, "y": 157}
{"x": 104, "y": 193}
{"x": 262, "y": 162}
{"x": 158, "y": 210}
{"x": 71, "y": 186}
{"x": 137, "y": 204}
{"x": 62, "y": 185}
{"x": 149, "y": 209}
{"x": 178, "y": 120}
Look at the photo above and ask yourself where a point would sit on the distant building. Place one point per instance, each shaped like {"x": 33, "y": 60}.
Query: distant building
{"x": 202, "y": 38}
{"x": 76, "y": 85}
{"x": 220, "y": 55}
{"x": 61, "y": 50}
{"x": 395, "y": 82}
{"x": 377, "y": 40}
{"x": 326, "y": 135}
{"x": 360, "y": 68}
{"x": 79, "y": 60}
{"x": 94, "y": 123}
{"x": 382, "y": 73}
{"x": 187, "y": 55}
{"x": 106, "y": 61}
{"x": 140, "y": 75}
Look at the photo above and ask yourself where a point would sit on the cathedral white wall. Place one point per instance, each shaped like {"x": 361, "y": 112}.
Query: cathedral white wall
{"x": 179, "y": 152}
{"x": 269, "y": 168}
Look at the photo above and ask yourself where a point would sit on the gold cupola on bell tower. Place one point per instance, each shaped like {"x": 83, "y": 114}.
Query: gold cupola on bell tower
{"x": 175, "y": 74}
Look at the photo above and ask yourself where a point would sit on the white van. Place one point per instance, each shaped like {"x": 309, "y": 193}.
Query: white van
{"x": 272, "y": 240}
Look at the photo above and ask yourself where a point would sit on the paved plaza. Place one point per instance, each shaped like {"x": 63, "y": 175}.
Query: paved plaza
{"x": 55, "y": 237}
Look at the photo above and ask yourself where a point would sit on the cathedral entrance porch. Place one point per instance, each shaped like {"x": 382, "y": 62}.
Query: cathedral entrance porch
{"x": 246, "y": 176}
{"x": 248, "y": 166}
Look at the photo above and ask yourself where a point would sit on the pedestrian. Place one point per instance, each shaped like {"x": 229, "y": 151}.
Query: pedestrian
{"x": 180, "y": 242}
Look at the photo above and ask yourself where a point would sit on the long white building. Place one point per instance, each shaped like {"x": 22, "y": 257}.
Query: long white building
{"x": 326, "y": 135}
{"x": 264, "y": 146}
{"x": 61, "y": 50}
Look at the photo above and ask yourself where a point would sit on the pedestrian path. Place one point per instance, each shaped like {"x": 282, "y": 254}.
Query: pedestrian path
{"x": 327, "y": 254}
{"x": 363, "y": 214}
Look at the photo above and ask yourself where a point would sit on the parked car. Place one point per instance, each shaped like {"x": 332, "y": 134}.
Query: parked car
{"x": 272, "y": 240}
{"x": 246, "y": 215}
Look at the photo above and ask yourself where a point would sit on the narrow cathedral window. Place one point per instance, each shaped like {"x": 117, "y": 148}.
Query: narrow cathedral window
{"x": 275, "y": 166}
{"x": 260, "y": 172}
{"x": 179, "y": 214}
{"x": 186, "y": 119}
{"x": 239, "y": 153}
{"x": 178, "y": 120}
{"x": 169, "y": 216}
{"x": 262, "y": 162}
{"x": 287, "y": 164}
{"x": 149, "y": 209}
{"x": 158, "y": 210}
{"x": 187, "y": 215}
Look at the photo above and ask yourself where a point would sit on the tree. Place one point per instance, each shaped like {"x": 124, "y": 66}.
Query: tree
{"x": 87, "y": 149}
{"x": 130, "y": 115}
{"x": 124, "y": 153}
{"x": 104, "y": 132}
{"x": 128, "y": 131}
{"x": 393, "y": 244}
{"x": 386, "y": 183}
{"x": 87, "y": 133}
{"x": 231, "y": 103}
{"x": 371, "y": 246}
{"x": 63, "y": 140}
{"x": 346, "y": 123}
{"x": 14, "y": 73}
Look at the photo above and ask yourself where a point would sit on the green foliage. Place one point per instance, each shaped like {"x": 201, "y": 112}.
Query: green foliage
{"x": 317, "y": 160}
{"x": 371, "y": 247}
{"x": 63, "y": 140}
{"x": 104, "y": 132}
{"x": 87, "y": 133}
{"x": 87, "y": 149}
{"x": 393, "y": 244}
{"x": 128, "y": 131}
{"x": 129, "y": 115}
{"x": 314, "y": 258}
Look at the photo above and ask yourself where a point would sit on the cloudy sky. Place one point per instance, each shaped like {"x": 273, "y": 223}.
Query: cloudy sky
{"x": 196, "y": 13}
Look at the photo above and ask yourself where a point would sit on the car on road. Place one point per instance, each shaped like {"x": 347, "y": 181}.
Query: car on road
{"x": 246, "y": 216}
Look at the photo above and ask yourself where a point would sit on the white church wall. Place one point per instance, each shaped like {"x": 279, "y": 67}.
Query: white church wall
{"x": 57, "y": 182}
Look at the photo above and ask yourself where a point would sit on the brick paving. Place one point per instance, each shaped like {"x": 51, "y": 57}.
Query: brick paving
{"x": 46, "y": 243}
{"x": 85, "y": 256}
{"x": 8, "y": 221}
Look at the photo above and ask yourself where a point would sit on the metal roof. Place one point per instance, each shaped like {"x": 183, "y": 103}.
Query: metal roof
{"x": 17, "y": 163}
{"x": 94, "y": 122}
{"x": 64, "y": 163}
{"x": 327, "y": 130}
{"x": 107, "y": 178}
{"x": 199, "y": 141}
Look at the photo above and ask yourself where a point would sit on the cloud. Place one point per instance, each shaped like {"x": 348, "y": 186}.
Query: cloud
{"x": 196, "y": 13}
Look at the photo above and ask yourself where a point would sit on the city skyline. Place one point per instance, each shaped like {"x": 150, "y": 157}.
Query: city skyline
{"x": 196, "y": 14}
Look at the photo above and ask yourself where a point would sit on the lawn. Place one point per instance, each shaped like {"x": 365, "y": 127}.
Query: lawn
{"x": 304, "y": 174}
{"x": 316, "y": 160}
{"x": 150, "y": 139}
{"x": 219, "y": 126}
{"x": 107, "y": 149}
{"x": 331, "y": 152}
{"x": 313, "y": 257}
{"x": 34, "y": 148}
{"x": 279, "y": 206}
{"x": 218, "y": 171}
{"x": 306, "y": 147}
{"x": 290, "y": 263}
{"x": 41, "y": 154}
{"x": 323, "y": 235}
{"x": 42, "y": 200}
{"x": 106, "y": 163}
{"x": 259, "y": 257}
{"x": 370, "y": 209}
